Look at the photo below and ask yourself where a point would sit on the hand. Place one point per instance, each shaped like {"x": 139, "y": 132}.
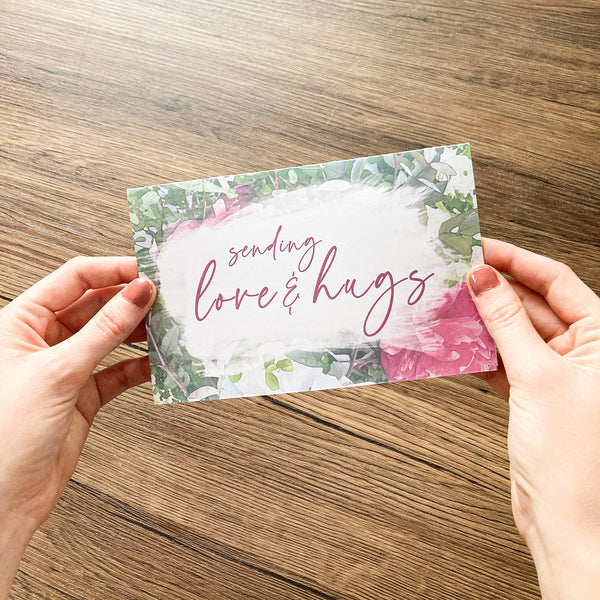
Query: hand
{"x": 546, "y": 324}
{"x": 53, "y": 337}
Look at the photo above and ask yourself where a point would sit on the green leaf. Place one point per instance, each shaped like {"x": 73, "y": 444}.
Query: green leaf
{"x": 308, "y": 359}
{"x": 429, "y": 184}
{"x": 326, "y": 362}
{"x": 458, "y": 232}
{"x": 357, "y": 168}
{"x": 293, "y": 176}
{"x": 443, "y": 168}
{"x": 336, "y": 170}
{"x": 463, "y": 149}
{"x": 235, "y": 378}
{"x": 285, "y": 365}
{"x": 337, "y": 369}
{"x": 419, "y": 158}
{"x": 272, "y": 381}
{"x": 464, "y": 224}
{"x": 401, "y": 178}
{"x": 457, "y": 242}
{"x": 458, "y": 203}
{"x": 197, "y": 366}
{"x": 389, "y": 159}
{"x": 168, "y": 343}
{"x": 150, "y": 197}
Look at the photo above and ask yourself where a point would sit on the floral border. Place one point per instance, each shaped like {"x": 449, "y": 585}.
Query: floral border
{"x": 449, "y": 209}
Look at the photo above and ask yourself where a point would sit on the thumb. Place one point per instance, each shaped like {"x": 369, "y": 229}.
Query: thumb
{"x": 506, "y": 319}
{"x": 111, "y": 325}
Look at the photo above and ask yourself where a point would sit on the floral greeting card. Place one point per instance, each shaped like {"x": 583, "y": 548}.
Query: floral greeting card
{"x": 322, "y": 276}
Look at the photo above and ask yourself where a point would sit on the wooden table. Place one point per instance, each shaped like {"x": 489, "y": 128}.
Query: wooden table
{"x": 383, "y": 492}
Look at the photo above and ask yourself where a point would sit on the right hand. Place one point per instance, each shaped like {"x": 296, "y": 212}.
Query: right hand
{"x": 546, "y": 324}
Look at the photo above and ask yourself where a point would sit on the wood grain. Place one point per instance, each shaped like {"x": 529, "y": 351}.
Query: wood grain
{"x": 382, "y": 492}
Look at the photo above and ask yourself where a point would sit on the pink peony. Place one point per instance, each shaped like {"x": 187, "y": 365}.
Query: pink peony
{"x": 222, "y": 209}
{"x": 242, "y": 192}
{"x": 448, "y": 338}
{"x": 226, "y": 208}
{"x": 174, "y": 231}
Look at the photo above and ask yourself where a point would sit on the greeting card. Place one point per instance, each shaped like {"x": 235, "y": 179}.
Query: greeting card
{"x": 322, "y": 276}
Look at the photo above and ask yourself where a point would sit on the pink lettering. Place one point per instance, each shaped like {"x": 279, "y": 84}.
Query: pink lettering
{"x": 385, "y": 299}
{"x": 220, "y": 300}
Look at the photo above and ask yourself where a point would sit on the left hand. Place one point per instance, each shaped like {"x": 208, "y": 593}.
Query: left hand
{"x": 53, "y": 337}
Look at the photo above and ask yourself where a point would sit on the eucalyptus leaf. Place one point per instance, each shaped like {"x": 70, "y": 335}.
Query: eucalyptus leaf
{"x": 206, "y": 392}
{"x": 443, "y": 168}
{"x": 308, "y": 359}
{"x": 429, "y": 184}
{"x": 169, "y": 341}
{"x": 401, "y": 178}
{"x": 419, "y": 158}
{"x": 338, "y": 370}
{"x": 336, "y": 170}
{"x": 390, "y": 160}
{"x": 406, "y": 168}
{"x": 357, "y": 168}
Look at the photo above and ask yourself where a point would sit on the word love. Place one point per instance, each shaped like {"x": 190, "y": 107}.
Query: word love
{"x": 320, "y": 288}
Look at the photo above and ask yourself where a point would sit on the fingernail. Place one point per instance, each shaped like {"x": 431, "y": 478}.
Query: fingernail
{"x": 482, "y": 279}
{"x": 139, "y": 292}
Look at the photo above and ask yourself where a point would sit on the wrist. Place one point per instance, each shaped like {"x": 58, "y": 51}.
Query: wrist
{"x": 15, "y": 534}
{"x": 567, "y": 563}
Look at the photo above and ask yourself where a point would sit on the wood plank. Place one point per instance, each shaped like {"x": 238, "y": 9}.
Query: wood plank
{"x": 120, "y": 552}
{"x": 389, "y": 491}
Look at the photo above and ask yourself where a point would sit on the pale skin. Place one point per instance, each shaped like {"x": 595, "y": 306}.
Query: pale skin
{"x": 54, "y": 336}
{"x": 545, "y": 322}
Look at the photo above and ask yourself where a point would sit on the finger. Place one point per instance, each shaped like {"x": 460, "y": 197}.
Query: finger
{"x": 98, "y": 391}
{"x": 60, "y": 333}
{"x": 111, "y": 326}
{"x": 114, "y": 380}
{"x": 544, "y": 319}
{"x": 68, "y": 283}
{"x": 565, "y": 343}
{"x": 566, "y": 294}
{"x": 74, "y": 317}
{"x": 506, "y": 319}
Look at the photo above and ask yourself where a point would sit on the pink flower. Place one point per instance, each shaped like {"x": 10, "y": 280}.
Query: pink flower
{"x": 242, "y": 192}
{"x": 226, "y": 208}
{"x": 174, "y": 231}
{"x": 448, "y": 338}
{"x": 222, "y": 209}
